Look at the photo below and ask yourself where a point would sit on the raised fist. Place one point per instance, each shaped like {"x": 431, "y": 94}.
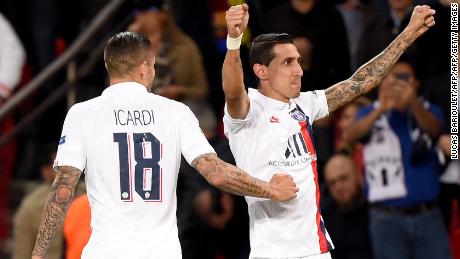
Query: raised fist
{"x": 422, "y": 19}
{"x": 237, "y": 18}
{"x": 283, "y": 187}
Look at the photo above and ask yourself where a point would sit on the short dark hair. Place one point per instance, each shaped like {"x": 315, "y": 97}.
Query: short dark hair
{"x": 406, "y": 59}
{"x": 125, "y": 51}
{"x": 261, "y": 51}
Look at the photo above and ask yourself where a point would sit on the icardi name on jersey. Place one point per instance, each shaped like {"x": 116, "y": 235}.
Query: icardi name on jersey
{"x": 134, "y": 117}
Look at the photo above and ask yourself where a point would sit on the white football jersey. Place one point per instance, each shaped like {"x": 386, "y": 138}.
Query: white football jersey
{"x": 129, "y": 142}
{"x": 276, "y": 137}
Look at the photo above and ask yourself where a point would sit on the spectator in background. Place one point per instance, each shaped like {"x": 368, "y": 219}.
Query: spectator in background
{"x": 12, "y": 58}
{"x": 180, "y": 74}
{"x": 399, "y": 133}
{"x": 325, "y": 58}
{"x": 381, "y": 29}
{"x": 201, "y": 30}
{"x": 76, "y": 228}
{"x": 211, "y": 222}
{"x": 27, "y": 219}
{"x": 354, "y": 14}
{"x": 346, "y": 212}
{"x": 428, "y": 54}
{"x": 450, "y": 191}
{"x": 347, "y": 116}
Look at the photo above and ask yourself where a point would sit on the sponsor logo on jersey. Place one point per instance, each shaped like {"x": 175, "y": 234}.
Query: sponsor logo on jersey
{"x": 296, "y": 153}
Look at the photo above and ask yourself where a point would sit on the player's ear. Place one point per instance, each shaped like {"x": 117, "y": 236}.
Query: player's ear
{"x": 260, "y": 71}
{"x": 143, "y": 69}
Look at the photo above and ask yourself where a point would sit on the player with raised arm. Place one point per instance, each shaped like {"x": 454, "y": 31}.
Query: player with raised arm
{"x": 129, "y": 142}
{"x": 269, "y": 129}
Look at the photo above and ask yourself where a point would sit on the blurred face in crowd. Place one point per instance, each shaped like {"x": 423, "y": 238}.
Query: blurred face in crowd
{"x": 342, "y": 179}
{"x": 400, "y": 5}
{"x": 398, "y": 86}
{"x": 47, "y": 171}
{"x": 348, "y": 116}
{"x": 303, "y": 6}
{"x": 150, "y": 24}
{"x": 281, "y": 80}
{"x": 305, "y": 48}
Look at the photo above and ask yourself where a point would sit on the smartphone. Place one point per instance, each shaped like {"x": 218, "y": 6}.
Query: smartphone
{"x": 402, "y": 76}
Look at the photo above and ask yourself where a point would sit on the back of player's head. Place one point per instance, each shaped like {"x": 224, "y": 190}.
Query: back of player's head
{"x": 261, "y": 51}
{"x": 125, "y": 51}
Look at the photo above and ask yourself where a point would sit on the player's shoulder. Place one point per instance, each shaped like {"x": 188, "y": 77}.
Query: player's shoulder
{"x": 85, "y": 106}
{"x": 256, "y": 99}
{"x": 171, "y": 105}
{"x": 311, "y": 94}
{"x": 309, "y": 98}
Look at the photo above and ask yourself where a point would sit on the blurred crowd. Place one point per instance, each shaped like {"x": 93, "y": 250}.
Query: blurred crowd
{"x": 388, "y": 184}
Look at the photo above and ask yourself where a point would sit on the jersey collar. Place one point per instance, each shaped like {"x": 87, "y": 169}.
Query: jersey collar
{"x": 275, "y": 104}
{"x": 130, "y": 87}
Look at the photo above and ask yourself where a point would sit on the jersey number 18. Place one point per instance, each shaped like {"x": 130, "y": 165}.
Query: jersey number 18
{"x": 147, "y": 172}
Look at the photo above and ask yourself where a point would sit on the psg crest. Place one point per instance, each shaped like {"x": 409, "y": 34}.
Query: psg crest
{"x": 298, "y": 115}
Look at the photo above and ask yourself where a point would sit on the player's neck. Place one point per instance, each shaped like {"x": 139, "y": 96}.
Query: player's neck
{"x": 114, "y": 81}
{"x": 272, "y": 93}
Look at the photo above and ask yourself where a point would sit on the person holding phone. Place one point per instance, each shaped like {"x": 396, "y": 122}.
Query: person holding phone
{"x": 399, "y": 132}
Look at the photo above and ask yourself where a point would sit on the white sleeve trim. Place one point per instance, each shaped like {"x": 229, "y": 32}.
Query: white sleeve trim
{"x": 323, "y": 100}
{"x": 69, "y": 162}
{"x": 236, "y": 125}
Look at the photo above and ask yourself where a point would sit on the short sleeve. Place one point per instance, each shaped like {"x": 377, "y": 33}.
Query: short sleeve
{"x": 316, "y": 103}
{"x": 71, "y": 148}
{"x": 193, "y": 143}
{"x": 232, "y": 125}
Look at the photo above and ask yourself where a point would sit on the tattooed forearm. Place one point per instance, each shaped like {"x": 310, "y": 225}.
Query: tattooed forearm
{"x": 59, "y": 199}
{"x": 370, "y": 74}
{"x": 230, "y": 178}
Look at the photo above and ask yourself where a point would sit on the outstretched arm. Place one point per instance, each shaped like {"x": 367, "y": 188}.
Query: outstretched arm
{"x": 234, "y": 180}
{"x": 232, "y": 71}
{"x": 371, "y": 74}
{"x": 59, "y": 199}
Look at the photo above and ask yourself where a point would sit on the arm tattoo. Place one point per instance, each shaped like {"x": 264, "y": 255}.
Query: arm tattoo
{"x": 59, "y": 199}
{"x": 369, "y": 75}
{"x": 230, "y": 178}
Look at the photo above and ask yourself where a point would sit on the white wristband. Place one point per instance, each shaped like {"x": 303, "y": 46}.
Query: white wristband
{"x": 234, "y": 43}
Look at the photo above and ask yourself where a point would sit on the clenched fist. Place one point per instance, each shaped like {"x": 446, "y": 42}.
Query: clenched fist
{"x": 421, "y": 20}
{"x": 283, "y": 187}
{"x": 237, "y": 18}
